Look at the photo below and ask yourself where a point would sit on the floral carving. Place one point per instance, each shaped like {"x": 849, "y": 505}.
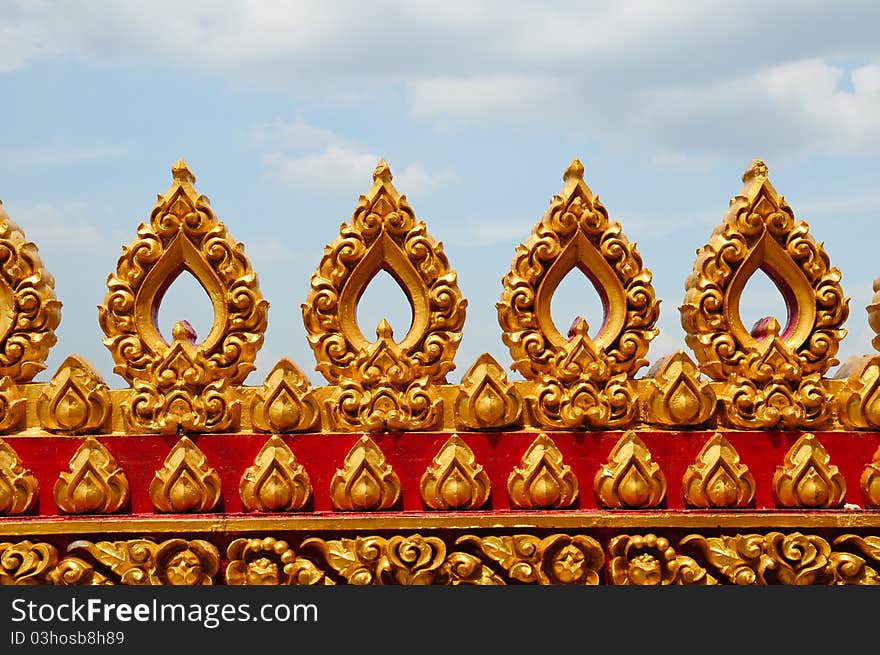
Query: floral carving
{"x": 542, "y": 480}
{"x": 76, "y": 400}
{"x": 807, "y": 478}
{"x": 455, "y": 480}
{"x": 276, "y": 482}
{"x": 286, "y": 402}
{"x": 186, "y": 482}
{"x": 630, "y": 479}
{"x": 94, "y": 484}
{"x": 366, "y": 482}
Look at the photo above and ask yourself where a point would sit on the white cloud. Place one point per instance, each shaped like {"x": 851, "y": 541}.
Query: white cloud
{"x": 345, "y": 170}
{"x": 297, "y": 135}
{"x": 61, "y": 157}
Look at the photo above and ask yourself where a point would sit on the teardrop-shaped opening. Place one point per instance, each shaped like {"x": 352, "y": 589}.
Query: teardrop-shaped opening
{"x": 762, "y": 298}
{"x": 573, "y": 299}
{"x": 384, "y": 298}
{"x": 185, "y": 299}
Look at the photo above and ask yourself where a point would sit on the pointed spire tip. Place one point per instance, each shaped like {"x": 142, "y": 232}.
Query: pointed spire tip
{"x": 756, "y": 169}
{"x": 382, "y": 173}
{"x": 181, "y": 172}
{"x": 575, "y": 171}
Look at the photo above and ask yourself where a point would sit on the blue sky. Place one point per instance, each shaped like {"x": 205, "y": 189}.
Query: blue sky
{"x": 281, "y": 110}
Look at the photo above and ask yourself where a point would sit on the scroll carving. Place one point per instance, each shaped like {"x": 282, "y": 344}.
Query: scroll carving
{"x": 29, "y": 309}
{"x": 182, "y": 384}
{"x": 13, "y": 406}
{"x": 651, "y": 560}
{"x": 270, "y": 562}
{"x": 383, "y": 234}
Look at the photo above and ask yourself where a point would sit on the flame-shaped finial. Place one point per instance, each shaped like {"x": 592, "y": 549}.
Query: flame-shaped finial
{"x": 183, "y": 331}
{"x": 382, "y": 173}
{"x": 181, "y": 172}
{"x": 756, "y": 169}
{"x": 579, "y": 328}
{"x": 383, "y": 330}
{"x": 575, "y": 171}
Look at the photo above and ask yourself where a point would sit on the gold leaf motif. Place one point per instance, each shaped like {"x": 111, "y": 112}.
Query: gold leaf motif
{"x": 185, "y": 483}
{"x": 575, "y": 232}
{"x": 543, "y": 480}
{"x": 676, "y": 394}
{"x": 717, "y": 479}
{"x": 12, "y": 405}
{"x": 630, "y": 479}
{"x": 286, "y": 402}
{"x": 807, "y": 478}
{"x": 269, "y": 562}
{"x": 366, "y": 481}
{"x": 95, "y": 484}
{"x": 356, "y": 560}
{"x": 18, "y": 486}
{"x": 29, "y": 309}
{"x": 76, "y": 400}
{"x": 556, "y": 559}
{"x": 870, "y": 481}
{"x": 454, "y": 480}
{"x": 485, "y": 398}
{"x": 784, "y": 405}
{"x": 182, "y": 395}
{"x": 186, "y": 563}
{"x": 132, "y": 562}
{"x": 759, "y": 231}
{"x": 356, "y": 407}
{"x": 74, "y": 571}
{"x": 413, "y": 560}
{"x": 276, "y": 482}
{"x": 183, "y": 235}
{"x": 874, "y": 314}
{"x": 650, "y": 560}
{"x": 383, "y": 234}
{"x": 858, "y": 403}
{"x": 851, "y": 569}
{"x": 27, "y": 563}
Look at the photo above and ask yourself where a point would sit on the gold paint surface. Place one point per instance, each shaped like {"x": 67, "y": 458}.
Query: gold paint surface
{"x": 276, "y": 482}
{"x": 366, "y": 481}
{"x": 454, "y": 480}
{"x": 94, "y": 483}
{"x": 542, "y": 480}
{"x": 186, "y": 482}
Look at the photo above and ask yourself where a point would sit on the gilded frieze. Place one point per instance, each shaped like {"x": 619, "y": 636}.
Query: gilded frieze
{"x": 485, "y": 398}
{"x": 675, "y": 395}
{"x": 650, "y": 560}
{"x": 276, "y": 482}
{"x": 807, "y": 479}
{"x": 717, "y": 479}
{"x": 286, "y": 402}
{"x": 76, "y": 400}
{"x": 270, "y": 562}
{"x": 366, "y": 481}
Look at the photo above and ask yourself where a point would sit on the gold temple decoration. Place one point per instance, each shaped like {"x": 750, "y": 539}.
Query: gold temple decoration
{"x": 557, "y": 559}
{"x": 383, "y": 234}
{"x": 405, "y": 560}
{"x": 807, "y": 478}
{"x": 386, "y": 395}
{"x": 186, "y": 482}
{"x": 575, "y": 232}
{"x": 485, "y": 398}
{"x": 76, "y": 400}
{"x": 773, "y": 373}
{"x": 858, "y": 401}
{"x": 870, "y": 481}
{"x": 676, "y": 396}
{"x": 270, "y": 562}
{"x": 630, "y": 479}
{"x": 874, "y": 314}
{"x": 12, "y": 405}
{"x": 542, "y": 480}
{"x": 29, "y": 310}
{"x": 651, "y": 560}
{"x": 18, "y": 486}
{"x": 759, "y": 231}
{"x": 177, "y": 562}
{"x": 276, "y": 482}
{"x": 183, "y": 384}
{"x": 95, "y": 484}
{"x": 286, "y": 402}
{"x": 27, "y": 563}
{"x": 455, "y": 480}
{"x": 717, "y": 479}
{"x": 788, "y": 559}
{"x": 366, "y": 481}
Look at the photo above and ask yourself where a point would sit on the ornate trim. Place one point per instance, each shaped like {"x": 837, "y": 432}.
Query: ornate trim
{"x": 384, "y": 235}
{"x": 94, "y": 483}
{"x": 366, "y": 481}
{"x": 717, "y": 479}
{"x": 542, "y": 480}
{"x": 29, "y": 309}
{"x": 485, "y": 398}
{"x": 76, "y": 400}
{"x": 276, "y": 482}
{"x": 630, "y": 479}
{"x": 676, "y": 395}
{"x": 455, "y": 480}
{"x": 575, "y": 232}
{"x": 807, "y": 478}
{"x": 286, "y": 403}
{"x": 186, "y": 482}
{"x": 18, "y": 487}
